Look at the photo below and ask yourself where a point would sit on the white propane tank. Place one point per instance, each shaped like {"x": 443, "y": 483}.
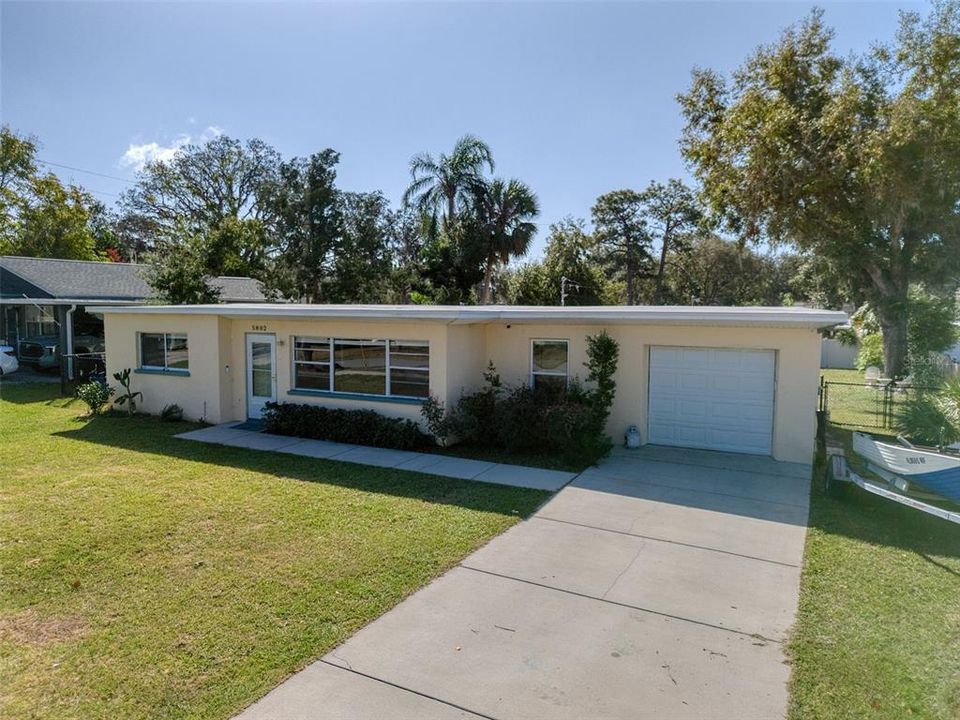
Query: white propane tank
{"x": 632, "y": 437}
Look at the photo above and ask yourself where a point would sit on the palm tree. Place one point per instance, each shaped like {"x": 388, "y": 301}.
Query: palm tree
{"x": 444, "y": 183}
{"x": 505, "y": 210}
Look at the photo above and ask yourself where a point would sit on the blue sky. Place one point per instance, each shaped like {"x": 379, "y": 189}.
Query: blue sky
{"x": 576, "y": 99}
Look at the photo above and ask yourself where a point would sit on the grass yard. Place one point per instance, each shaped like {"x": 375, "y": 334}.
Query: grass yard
{"x": 145, "y": 576}
{"x": 853, "y": 403}
{"x": 878, "y": 631}
{"x": 496, "y": 455}
{"x": 841, "y": 375}
{"x": 858, "y": 406}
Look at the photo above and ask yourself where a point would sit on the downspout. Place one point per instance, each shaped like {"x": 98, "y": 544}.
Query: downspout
{"x": 69, "y": 335}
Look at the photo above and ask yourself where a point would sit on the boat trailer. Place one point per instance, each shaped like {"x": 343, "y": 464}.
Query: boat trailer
{"x": 893, "y": 487}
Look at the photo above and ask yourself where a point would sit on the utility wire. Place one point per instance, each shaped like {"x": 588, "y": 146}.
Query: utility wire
{"x": 100, "y": 192}
{"x": 89, "y": 172}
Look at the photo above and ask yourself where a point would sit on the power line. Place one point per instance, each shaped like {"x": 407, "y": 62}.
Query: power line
{"x": 100, "y": 192}
{"x": 89, "y": 172}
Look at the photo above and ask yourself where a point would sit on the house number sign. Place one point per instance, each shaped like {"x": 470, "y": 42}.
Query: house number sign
{"x": 258, "y": 328}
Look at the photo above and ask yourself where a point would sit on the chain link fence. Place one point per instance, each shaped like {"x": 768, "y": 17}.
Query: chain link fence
{"x": 865, "y": 405}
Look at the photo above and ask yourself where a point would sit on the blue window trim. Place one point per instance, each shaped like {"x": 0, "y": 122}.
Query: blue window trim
{"x": 163, "y": 371}
{"x": 358, "y": 396}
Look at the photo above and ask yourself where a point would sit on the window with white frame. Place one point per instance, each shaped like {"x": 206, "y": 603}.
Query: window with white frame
{"x": 548, "y": 364}
{"x": 311, "y": 363}
{"x": 394, "y": 368}
{"x": 409, "y": 368}
{"x": 163, "y": 351}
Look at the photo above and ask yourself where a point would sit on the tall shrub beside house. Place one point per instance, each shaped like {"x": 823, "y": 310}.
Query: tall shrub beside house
{"x": 603, "y": 354}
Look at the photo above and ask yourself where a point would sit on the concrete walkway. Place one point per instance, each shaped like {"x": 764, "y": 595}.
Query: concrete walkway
{"x": 429, "y": 463}
{"x": 659, "y": 585}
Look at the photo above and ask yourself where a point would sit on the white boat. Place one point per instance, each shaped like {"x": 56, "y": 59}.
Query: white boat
{"x": 934, "y": 471}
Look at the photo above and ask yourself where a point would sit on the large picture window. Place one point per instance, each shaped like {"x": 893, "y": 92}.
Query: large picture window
{"x": 548, "y": 364}
{"x": 360, "y": 366}
{"x": 163, "y": 351}
{"x": 394, "y": 368}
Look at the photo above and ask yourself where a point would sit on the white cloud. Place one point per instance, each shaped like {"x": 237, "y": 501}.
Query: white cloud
{"x": 138, "y": 155}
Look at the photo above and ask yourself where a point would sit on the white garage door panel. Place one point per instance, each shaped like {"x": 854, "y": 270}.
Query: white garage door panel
{"x": 720, "y": 399}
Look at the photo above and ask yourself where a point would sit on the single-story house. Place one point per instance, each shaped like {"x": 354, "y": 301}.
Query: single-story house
{"x": 740, "y": 379}
{"x": 46, "y": 298}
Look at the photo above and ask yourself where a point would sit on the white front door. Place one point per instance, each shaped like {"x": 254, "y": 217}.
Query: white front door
{"x": 714, "y": 398}
{"x": 261, "y": 373}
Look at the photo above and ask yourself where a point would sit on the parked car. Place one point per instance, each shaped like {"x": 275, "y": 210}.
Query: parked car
{"x": 43, "y": 352}
{"x": 8, "y": 360}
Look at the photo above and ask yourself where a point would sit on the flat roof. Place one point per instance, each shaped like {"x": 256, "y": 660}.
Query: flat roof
{"x": 484, "y": 314}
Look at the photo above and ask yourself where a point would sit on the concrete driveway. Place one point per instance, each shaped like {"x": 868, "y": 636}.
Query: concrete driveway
{"x": 658, "y": 585}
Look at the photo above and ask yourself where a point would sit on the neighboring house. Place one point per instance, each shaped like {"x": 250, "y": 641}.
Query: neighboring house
{"x": 42, "y": 300}
{"x": 734, "y": 379}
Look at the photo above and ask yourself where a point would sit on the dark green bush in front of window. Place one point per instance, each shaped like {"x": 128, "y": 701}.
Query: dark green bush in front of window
{"x": 568, "y": 421}
{"x": 362, "y": 427}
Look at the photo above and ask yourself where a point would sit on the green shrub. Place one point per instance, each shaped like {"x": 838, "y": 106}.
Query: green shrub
{"x": 95, "y": 395}
{"x": 871, "y": 352}
{"x": 435, "y": 417}
{"x": 928, "y": 371}
{"x": 473, "y": 419}
{"x": 363, "y": 427}
{"x": 569, "y": 422}
{"x": 932, "y": 417}
{"x": 603, "y": 354}
{"x": 128, "y": 397}
{"x": 171, "y": 413}
{"x": 528, "y": 419}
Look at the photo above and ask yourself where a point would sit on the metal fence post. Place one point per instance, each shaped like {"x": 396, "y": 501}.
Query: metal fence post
{"x": 888, "y": 405}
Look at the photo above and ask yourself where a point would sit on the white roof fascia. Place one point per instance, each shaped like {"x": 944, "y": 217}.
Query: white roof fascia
{"x": 634, "y": 315}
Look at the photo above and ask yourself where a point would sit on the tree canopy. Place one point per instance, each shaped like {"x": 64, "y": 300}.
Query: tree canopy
{"x": 39, "y": 215}
{"x": 622, "y": 237}
{"x": 854, "y": 159}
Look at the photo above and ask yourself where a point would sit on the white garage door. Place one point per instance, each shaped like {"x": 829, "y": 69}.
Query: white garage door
{"x": 719, "y": 399}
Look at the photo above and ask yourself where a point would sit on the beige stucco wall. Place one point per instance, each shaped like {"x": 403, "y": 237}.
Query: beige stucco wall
{"x": 199, "y": 394}
{"x": 466, "y": 359}
{"x": 286, "y": 330}
{"x": 216, "y": 387}
{"x": 798, "y": 362}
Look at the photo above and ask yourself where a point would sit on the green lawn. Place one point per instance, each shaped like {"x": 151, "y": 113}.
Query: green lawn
{"x": 145, "y": 576}
{"x": 878, "y": 632}
{"x": 840, "y": 375}
{"x": 856, "y": 405}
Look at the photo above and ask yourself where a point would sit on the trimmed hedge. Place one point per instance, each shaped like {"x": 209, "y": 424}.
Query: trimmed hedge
{"x": 523, "y": 419}
{"x": 362, "y": 427}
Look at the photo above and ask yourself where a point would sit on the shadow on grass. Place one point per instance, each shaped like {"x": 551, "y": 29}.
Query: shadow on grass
{"x": 26, "y": 393}
{"x": 852, "y": 512}
{"x": 146, "y": 434}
